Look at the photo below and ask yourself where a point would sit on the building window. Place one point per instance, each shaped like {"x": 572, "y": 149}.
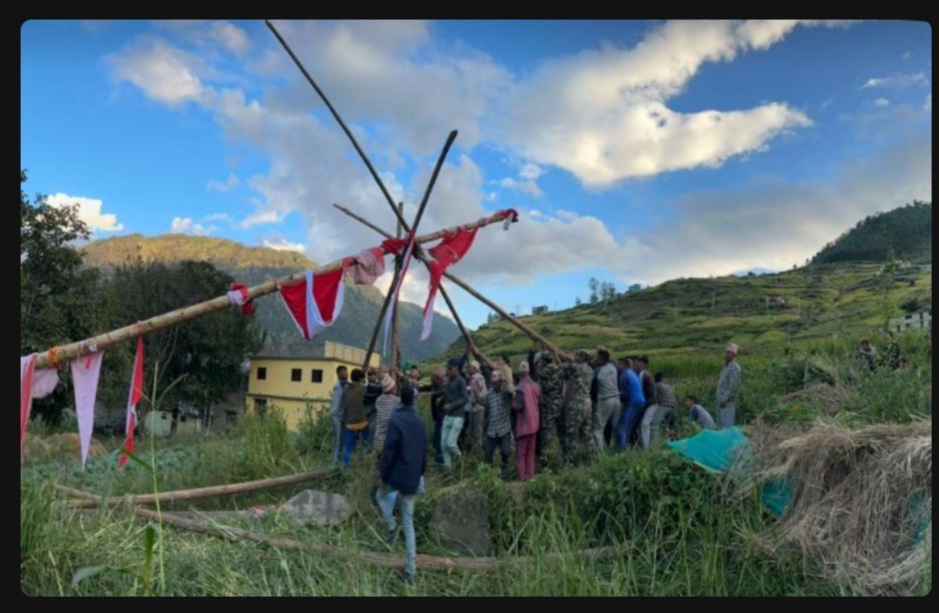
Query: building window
{"x": 296, "y": 374}
{"x": 316, "y": 376}
{"x": 262, "y": 373}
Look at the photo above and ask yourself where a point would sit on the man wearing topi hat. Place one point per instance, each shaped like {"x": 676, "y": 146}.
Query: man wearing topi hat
{"x": 728, "y": 388}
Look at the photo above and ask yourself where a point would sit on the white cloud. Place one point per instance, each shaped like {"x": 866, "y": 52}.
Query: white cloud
{"x": 163, "y": 72}
{"x": 608, "y": 121}
{"x": 897, "y": 81}
{"x": 881, "y": 102}
{"x": 528, "y": 183}
{"x": 185, "y": 225}
{"x": 229, "y": 184}
{"x": 907, "y": 55}
{"x": 282, "y": 245}
{"x": 928, "y": 103}
{"x": 89, "y": 211}
{"x": 218, "y": 217}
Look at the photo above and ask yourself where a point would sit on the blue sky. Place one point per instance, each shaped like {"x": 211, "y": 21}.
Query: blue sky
{"x": 635, "y": 152}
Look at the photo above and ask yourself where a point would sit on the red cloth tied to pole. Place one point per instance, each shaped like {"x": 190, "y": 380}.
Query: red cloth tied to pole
{"x": 239, "y": 297}
{"x": 450, "y": 251}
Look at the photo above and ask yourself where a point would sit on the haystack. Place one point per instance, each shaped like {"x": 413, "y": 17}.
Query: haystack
{"x": 861, "y": 501}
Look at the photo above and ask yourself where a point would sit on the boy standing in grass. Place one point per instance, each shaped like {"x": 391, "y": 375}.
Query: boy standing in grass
{"x": 403, "y": 462}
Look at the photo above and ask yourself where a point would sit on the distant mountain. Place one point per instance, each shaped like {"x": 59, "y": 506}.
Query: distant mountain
{"x": 255, "y": 265}
{"x": 904, "y": 233}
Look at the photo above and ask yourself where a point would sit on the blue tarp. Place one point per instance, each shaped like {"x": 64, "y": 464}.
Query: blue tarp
{"x": 724, "y": 451}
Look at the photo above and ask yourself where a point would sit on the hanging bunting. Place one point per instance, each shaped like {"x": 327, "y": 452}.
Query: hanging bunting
{"x": 136, "y": 393}
{"x": 397, "y": 290}
{"x": 86, "y": 372}
{"x": 315, "y": 303}
{"x": 450, "y": 251}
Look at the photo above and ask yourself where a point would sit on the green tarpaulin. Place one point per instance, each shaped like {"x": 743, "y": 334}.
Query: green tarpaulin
{"x": 726, "y": 451}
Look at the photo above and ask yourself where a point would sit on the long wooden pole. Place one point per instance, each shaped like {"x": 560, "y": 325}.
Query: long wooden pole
{"x": 395, "y": 357}
{"x": 339, "y": 120}
{"x": 383, "y": 560}
{"x": 90, "y": 501}
{"x": 524, "y": 329}
{"x": 65, "y": 353}
{"x": 417, "y": 220}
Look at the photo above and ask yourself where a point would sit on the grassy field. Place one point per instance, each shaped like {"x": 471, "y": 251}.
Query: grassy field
{"x": 702, "y": 315}
{"x": 678, "y": 531}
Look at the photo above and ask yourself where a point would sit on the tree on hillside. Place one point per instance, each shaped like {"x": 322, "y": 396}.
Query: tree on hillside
{"x": 209, "y": 350}
{"x": 594, "y": 285}
{"x": 59, "y": 299}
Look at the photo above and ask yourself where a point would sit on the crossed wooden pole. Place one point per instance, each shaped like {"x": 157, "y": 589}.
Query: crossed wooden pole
{"x": 60, "y": 355}
{"x": 397, "y": 210}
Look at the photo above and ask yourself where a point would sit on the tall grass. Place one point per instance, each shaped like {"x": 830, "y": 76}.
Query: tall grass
{"x": 677, "y": 531}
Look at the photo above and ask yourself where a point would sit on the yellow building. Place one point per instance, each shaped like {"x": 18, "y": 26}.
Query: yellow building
{"x": 290, "y": 383}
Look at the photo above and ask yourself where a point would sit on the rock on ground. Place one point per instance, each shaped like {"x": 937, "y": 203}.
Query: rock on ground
{"x": 461, "y": 520}
{"x": 321, "y": 508}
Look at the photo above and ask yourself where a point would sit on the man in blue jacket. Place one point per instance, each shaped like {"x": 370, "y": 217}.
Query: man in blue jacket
{"x": 403, "y": 462}
{"x": 634, "y": 400}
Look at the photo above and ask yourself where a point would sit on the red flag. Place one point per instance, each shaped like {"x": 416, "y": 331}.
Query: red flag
{"x": 136, "y": 392}
{"x": 314, "y": 303}
{"x": 450, "y": 251}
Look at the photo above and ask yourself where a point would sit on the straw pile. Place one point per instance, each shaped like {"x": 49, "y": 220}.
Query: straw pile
{"x": 861, "y": 504}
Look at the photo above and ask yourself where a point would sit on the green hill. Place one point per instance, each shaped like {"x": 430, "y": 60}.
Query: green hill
{"x": 904, "y": 233}
{"x": 761, "y": 313}
{"x": 254, "y": 265}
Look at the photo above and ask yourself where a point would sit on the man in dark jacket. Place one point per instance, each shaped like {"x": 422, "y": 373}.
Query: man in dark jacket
{"x": 403, "y": 462}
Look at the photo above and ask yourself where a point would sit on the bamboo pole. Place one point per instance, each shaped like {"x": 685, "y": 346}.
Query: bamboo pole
{"x": 417, "y": 220}
{"x": 65, "y": 353}
{"x": 395, "y": 357}
{"x": 90, "y": 501}
{"x": 524, "y": 329}
{"x": 339, "y": 120}
{"x": 383, "y": 560}
{"x": 466, "y": 335}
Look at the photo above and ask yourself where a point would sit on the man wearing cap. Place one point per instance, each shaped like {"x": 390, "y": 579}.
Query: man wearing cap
{"x": 527, "y": 407}
{"x": 549, "y": 378}
{"x": 384, "y": 407}
{"x": 576, "y": 409}
{"x": 608, "y": 404}
{"x": 456, "y": 397}
{"x": 477, "y": 393}
{"x": 728, "y": 388}
{"x": 372, "y": 392}
{"x": 497, "y": 421}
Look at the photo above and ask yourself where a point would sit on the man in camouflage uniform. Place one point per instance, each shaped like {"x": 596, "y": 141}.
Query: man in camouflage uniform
{"x": 576, "y": 410}
{"x": 549, "y": 377}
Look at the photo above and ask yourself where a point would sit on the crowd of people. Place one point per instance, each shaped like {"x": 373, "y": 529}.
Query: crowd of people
{"x": 591, "y": 404}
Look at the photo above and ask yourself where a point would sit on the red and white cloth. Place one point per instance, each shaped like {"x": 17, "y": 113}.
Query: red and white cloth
{"x": 136, "y": 393}
{"x": 86, "y": 371}
{"x": 34, "y": 384}
{"x": 240, "y": 297}
{"x": 450, "y": 251}
{"x": 315, "y": 302}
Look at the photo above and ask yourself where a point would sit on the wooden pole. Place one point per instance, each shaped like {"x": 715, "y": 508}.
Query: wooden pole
{"x": 395, "y": 351}
{"x": 417, "y": 221}
{"x": 459, "y": 323}
{"x": 383, "y": 560}
{"x": 90, "y": 501}
{"x": 339, "y": 120}
{"x": 524, "y": 329}
{"x": 65, "y": 353}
